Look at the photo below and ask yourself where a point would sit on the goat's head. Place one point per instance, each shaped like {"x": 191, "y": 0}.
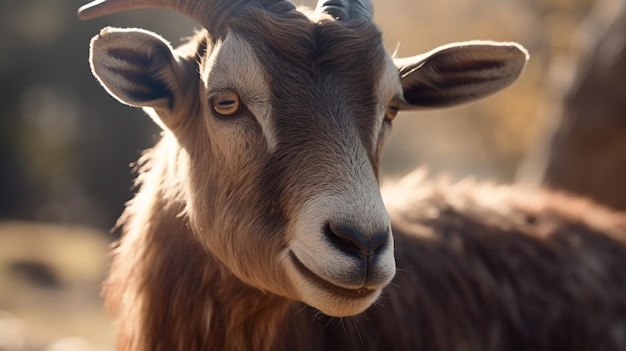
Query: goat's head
{"x": 278, "y": 121}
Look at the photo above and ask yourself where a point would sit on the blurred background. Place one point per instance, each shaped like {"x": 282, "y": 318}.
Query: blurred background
{"x": 66, "y": 145}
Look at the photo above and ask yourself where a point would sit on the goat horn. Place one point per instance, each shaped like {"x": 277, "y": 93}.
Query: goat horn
{"x": 211, "y": 14}
{"x": 345, "y": 9}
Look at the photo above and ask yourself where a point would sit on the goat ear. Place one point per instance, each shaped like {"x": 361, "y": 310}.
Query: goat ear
{"x": 459, "y": 73}
{"x": 136, "y": 67}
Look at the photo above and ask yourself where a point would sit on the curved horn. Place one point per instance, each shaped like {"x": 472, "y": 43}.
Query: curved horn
{"x": 345, "y": 9}
{"x": 209, "y": 13}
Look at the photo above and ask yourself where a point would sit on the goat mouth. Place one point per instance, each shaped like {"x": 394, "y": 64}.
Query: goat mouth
{"x": 323, "y": 284}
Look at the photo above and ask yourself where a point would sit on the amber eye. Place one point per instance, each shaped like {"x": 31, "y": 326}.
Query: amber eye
{"x": 392, "y": 112}
{"x": 226, "y": 103}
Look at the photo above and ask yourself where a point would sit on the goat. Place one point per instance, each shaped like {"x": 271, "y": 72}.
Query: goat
{"x": 259, "y": 221}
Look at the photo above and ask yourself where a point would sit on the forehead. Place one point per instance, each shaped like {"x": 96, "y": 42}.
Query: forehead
{"x": 315, "y": 52}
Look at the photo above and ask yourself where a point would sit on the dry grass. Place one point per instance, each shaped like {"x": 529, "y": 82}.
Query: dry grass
{"x": 49, "y": 278}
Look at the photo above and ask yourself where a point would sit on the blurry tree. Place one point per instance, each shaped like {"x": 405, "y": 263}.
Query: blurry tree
{"x": 65, "y": 145}
{"x": 583, "y": 147}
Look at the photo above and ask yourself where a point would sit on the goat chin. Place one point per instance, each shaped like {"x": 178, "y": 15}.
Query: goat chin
{"x": 328, "y": 298}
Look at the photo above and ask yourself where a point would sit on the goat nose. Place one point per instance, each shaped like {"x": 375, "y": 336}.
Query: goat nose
{"x": 354, "y": 242}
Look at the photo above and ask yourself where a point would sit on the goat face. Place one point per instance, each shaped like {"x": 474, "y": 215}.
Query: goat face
{"x": 276, "y": 123}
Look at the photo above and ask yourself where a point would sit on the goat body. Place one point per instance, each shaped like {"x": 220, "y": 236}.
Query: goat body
{"x": 480, "y": 267}
{"x": 259, "y": 214}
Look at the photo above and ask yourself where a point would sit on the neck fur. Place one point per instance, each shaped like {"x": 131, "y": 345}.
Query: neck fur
{"x": 168, "y": 293}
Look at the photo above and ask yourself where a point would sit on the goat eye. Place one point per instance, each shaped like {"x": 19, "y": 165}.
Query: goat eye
{"x": 392, "y": 112}
{"x": 226, "y": 103}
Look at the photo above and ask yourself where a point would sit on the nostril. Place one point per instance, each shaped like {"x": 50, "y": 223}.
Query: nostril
{"x": 345, "y": 238}
{"x": 355, "y": 242}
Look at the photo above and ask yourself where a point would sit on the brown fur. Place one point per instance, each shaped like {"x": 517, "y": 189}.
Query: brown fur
{"x": 479, "y": 267}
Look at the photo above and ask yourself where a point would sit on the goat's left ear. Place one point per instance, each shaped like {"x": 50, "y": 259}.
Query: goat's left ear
{"x": 459, "y": 73}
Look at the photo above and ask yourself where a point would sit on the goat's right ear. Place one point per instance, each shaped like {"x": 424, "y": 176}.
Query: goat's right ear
{"x": 137, "y": 67}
